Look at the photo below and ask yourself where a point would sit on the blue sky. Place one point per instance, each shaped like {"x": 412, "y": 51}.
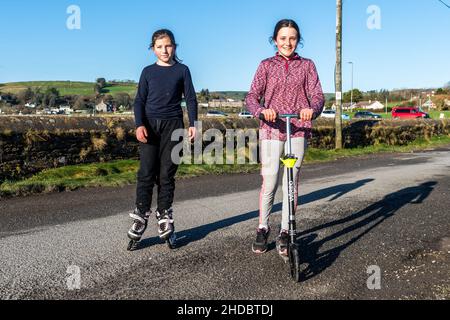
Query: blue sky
{"x": 223, "y": 41}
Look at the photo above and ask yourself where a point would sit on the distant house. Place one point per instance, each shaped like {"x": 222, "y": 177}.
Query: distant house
{"x": 447, "y": 102}
{"x": 367, "y": 105}
{"x": 363, "y": 104}
{"x": 219, "y": 103}
{"x": 345, "y": 106}
{"x": 66, "y": 109}
{"x": 429, "y": 104}
{"x": 30, "y": 105}
{"x": 375, "y": 106}
{"x": 101, "y": 107}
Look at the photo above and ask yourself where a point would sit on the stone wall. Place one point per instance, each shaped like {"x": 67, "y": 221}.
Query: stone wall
{"x": 31, "y": 144}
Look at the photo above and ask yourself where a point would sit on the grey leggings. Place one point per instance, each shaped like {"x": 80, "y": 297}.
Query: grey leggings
{"x": 271, "y": 151}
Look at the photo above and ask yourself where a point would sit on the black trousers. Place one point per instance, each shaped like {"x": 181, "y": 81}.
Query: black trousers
{"x": 156, "y": 165}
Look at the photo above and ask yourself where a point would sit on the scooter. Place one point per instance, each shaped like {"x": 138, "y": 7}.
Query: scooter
{"x": 289, "y": 161}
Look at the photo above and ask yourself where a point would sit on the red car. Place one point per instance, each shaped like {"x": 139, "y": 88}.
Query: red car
{"x": 409, "y": 113}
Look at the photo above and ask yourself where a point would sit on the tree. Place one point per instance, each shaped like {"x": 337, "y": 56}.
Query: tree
{"x": 442, "y": 91}
{"x": 122, "y": 99}
{"x": 50, "y": 96}
{"x": 97, "y": 89}
{"x": 357, "y": 96}
{"x": 52, "y": 101}
{"x": 383, "y": 95}
{"x": 52, "y": 91}
{"x": 108, "y": 99}
{"x": 101, "y": 82}
{"x": 38, "y": 97}
{"x": 204, "y": 95}
{"x": 25, "y": 95}
{"x": 80, "y": 103}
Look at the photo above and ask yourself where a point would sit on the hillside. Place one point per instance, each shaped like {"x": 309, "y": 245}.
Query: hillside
{"x": 67, "y": 87}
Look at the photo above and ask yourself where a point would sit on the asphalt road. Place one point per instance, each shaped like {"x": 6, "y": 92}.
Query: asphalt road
{"x": 391, "y": 211}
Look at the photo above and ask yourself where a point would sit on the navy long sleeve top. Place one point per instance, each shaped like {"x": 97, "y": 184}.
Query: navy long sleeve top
{"x": 160, "y": 92}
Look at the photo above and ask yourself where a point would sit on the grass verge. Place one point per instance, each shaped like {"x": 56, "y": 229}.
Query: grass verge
{"x": 123, "y": 172}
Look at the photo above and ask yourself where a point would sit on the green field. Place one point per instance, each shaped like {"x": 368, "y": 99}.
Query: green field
{"x": 67, "y": 87}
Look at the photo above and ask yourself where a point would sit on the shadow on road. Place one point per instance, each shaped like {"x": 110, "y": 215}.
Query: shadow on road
{"x": 337, "y": 191}
{"x": 187, "y": 236}
{"x": 371, "y": 217}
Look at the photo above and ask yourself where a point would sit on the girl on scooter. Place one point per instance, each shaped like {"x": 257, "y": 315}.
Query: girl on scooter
{"x": 287, "y": 84}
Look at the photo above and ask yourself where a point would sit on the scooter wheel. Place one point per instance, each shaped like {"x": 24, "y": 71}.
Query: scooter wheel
{"x": 131, "y": 245}
{"x": 294, "y": 261}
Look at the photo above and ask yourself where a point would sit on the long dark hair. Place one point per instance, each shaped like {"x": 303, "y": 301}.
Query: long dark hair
{"x": 286, "y": 23}
{"x": 162, "y": 33}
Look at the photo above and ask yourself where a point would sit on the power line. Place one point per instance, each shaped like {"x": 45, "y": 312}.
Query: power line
{"x": 448, "y": 6}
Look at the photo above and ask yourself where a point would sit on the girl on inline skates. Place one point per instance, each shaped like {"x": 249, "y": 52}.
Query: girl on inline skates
{"x": 158, "y": 113}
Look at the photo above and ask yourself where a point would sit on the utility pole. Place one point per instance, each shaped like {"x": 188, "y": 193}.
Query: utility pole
{"x": 386, "y": 104}
{"x": 338, "y": 75}
{"x": 351, "y": 92}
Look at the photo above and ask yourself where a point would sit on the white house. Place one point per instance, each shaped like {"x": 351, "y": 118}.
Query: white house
{"x": 429, "y": 104}
{"x": 101, "y": 107}
{"x": 368, "y": 105}
{"x": 447, "y": 102}
{"x": 30, "y": 105}
{"x": 345, "y": 106}
{"x": 66, "y": 109}
{"x": 375, "y": 106}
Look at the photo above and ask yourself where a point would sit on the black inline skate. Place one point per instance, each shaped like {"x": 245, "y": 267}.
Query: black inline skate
{"x": 138, "y": 228}
{"x": 166, "y": 227}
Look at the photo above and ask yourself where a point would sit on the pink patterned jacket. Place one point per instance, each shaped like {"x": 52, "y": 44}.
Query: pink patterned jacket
{"x": 286, "y": 86}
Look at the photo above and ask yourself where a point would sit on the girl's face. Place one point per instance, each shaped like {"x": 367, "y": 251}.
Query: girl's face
{"x": 287, "y": 41}
{"x": 164, "y": 50}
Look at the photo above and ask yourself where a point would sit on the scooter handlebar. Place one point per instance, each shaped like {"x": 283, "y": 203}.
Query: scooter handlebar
{"x": 281, "y": 116}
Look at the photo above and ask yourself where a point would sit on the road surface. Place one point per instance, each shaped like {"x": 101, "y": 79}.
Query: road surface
{"x": 387, "y": 213}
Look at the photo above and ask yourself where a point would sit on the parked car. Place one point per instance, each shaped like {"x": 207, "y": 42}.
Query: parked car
{"x": 332, "y": 114}
{"x": 245, "y": 114}
{"x": 366, "y": 115}
{"x": 215, "y": 113}
{"x": 409, "y": 113}
{"x": 328, "y": 114}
